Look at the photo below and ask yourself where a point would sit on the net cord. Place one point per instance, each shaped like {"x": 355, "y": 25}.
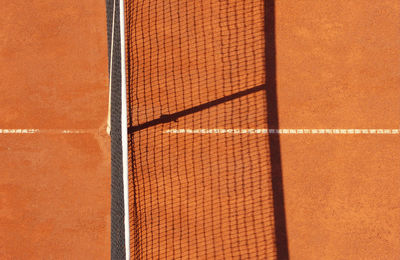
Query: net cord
{"x": 124, "y": 130}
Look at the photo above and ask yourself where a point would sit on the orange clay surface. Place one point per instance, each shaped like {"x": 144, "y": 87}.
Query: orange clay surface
{"x": 338, "y": 67}
{"x": 54, "y": 187}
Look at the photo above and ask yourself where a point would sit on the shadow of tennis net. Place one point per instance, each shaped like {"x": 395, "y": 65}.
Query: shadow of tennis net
{"x": 189, "y": 66}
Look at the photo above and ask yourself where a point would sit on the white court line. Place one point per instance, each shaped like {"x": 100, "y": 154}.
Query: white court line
{"x": 218, "y": 131}
{"x": 47, "y": 131}
{"x": 289, "y": 131}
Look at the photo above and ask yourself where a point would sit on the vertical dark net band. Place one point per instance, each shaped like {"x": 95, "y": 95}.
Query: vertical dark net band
{"x": 117, "y": 189}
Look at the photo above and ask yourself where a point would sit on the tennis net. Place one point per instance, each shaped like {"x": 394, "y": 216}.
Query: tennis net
{"x": 193, "y": 66}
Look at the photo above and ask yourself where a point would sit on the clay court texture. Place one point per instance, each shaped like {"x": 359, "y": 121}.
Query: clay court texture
{"x": 210, "y": 144}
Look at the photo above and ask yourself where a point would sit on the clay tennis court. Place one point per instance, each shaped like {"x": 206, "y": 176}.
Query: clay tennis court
{"x": 256, "y": 130}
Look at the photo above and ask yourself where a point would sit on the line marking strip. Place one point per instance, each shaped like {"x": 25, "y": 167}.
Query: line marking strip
{"x": 47, "y": 131}
{"x": 286, "y": 131}
{"x": 329, "y": 131}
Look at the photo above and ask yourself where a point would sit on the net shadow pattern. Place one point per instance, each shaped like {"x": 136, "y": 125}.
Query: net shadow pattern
{"x": 198, "y": 65}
